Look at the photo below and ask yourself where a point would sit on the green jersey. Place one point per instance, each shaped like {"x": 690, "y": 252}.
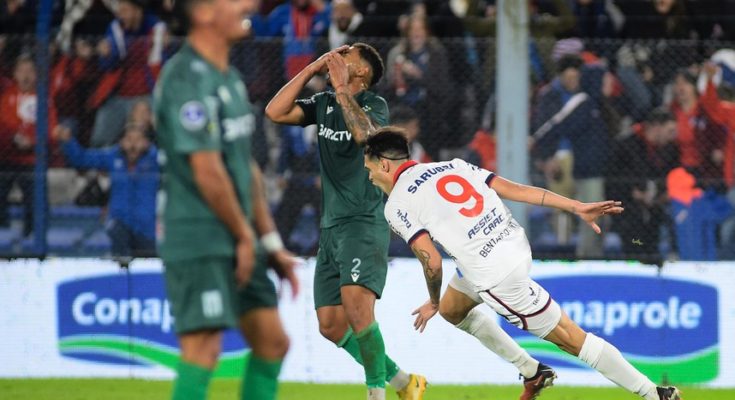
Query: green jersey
{"x": 200, "y": 108}
{"x": 346, "y": 190}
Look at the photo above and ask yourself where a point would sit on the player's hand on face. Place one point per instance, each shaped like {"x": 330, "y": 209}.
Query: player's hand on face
{"x": 245, "y": 253}
{"x": 589, "y": 212}
{"x": 284, "y": 263}
{"x": 424, "y": 314}
{"x": 320, "y": 65}
{"x": 339, "y": 74}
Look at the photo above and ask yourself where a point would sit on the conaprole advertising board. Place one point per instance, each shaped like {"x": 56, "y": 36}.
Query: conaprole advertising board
{"x": 83, "y": 317}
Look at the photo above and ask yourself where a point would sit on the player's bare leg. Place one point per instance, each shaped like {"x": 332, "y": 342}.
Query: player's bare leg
{"x": 459, "y": 310}
{"x": 334, "y": 326}
{"x": 199, "y": 353}
{"x": 263, "y": 330}
{"x": 605, "y": 358}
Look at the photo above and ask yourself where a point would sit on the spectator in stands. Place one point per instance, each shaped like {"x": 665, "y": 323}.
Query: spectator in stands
{"x": 130, "y": 56}
{"x": 73, "y": 77}
{"x": 348, "y": 24}
{"x": 657, "y": 19}
{"x": 637, "y": 177}
{"x": 406, "y": 118}
{"x": 563, "y": 117}
{"x": 5, "y": 69}
{"x": 299, "y": 23}
{"x": 298, "y": 170}
{"x": 596, "y": 80}
{"x": 701, "y": 140}
{"x": 18, "y": 105}
{"x": 142, "y": 115}
{"x": 723, "y": 113}
{"x": 134, "y": 174}
{"x": 542, "y": 25}
{"x": 482, "y": 149}
{"x": 597, "y": 18}
{"x": 17, "y": 16}
{"x": 417, "y": 72}
{"x": 696, "y": 214}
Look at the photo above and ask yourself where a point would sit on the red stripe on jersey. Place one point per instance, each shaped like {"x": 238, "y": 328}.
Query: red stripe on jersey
{"x": 402, "y": 168}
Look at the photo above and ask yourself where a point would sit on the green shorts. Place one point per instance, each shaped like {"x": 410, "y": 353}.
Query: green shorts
{"x": 352, "y": 253}
{"x": 203, "y": 293}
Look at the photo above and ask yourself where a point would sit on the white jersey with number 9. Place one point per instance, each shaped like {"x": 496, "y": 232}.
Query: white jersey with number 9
{"x": 453, "y": 202}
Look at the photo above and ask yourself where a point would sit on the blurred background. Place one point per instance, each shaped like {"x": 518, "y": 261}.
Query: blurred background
{"x": 628, "y": 100}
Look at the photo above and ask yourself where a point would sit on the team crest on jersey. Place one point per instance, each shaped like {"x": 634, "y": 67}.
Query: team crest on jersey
{"x": 193, "y": 116}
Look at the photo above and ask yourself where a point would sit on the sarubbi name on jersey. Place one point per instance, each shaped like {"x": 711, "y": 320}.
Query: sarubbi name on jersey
{"x": 490, "y": 245}
{"x": 427, "y": 175}
{"x": 489, "y": 222}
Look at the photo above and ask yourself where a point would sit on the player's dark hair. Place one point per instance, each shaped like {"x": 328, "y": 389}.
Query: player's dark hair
{"x": 372, "y": 57}
{"x": 388, "y": 142}
{"x": 181, "y": 23}
{"x": 401, "y": 114}
{"x": 569, "y": 61}
{"x": 659, "y": 115}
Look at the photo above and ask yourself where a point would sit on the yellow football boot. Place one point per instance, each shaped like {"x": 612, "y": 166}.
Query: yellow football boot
{"x": 415, "y": 388}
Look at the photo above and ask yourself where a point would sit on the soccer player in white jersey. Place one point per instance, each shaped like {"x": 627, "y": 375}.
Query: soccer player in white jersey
{"x": 459, "y": 206}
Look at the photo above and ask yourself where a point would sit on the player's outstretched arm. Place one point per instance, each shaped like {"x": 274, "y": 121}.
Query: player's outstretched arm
{"x": 282, "y": 108}
{"x": 217, "y": 190}
{"x": 431, "y": 261}
{"x": 358, "y": 122}
{"x": 589, "y": 212}
{"x": 282, "y": 261}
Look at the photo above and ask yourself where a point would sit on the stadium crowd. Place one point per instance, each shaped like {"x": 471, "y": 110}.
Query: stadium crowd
{"x": 629, "y": 100}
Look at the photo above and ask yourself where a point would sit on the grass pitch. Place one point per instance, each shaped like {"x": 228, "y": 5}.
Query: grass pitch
{"x": 222, "y": 389}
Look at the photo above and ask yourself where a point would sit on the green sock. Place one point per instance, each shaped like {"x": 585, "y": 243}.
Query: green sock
{"x": 261, "y": 379}
{"x": 350, "y": 345}
{"x": 191, "y": 382}
{"x": 372, "y": 350}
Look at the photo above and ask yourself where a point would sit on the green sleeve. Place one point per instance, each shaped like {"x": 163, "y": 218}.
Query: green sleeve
{"x": 309, "y": 106}
{"x": 192, "y": 118}
{"x": 377, "y": 110}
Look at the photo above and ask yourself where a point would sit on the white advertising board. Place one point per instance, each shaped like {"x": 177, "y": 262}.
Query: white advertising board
{"x": 90, "y": 318}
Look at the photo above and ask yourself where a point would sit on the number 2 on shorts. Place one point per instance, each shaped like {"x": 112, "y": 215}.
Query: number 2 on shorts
{"x": 467, "y": 193}
{"x": 355, "y": 271}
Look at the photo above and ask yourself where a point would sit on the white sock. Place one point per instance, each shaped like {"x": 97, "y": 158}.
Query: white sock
{"x": 606, "y": 359}
{"x": 492, "y": 336}
{"x": 376, "y": 394}
{"x": 400, "y": 380}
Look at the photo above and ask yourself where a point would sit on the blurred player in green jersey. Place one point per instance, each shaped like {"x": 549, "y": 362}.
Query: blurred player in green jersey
{"x": 218, "y": 233}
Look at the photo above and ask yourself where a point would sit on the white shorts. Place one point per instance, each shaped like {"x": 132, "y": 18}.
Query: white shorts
{"x": 519, "y": 299}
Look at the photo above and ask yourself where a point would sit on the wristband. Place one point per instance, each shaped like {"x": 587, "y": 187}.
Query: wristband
{"x": 272, "y": 242}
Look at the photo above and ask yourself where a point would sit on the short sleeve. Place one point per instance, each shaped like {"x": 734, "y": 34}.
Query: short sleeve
{"x": 377, "y": 110}
{"x": 483, "y": 174}
{"x": 192, "y": 117}
{"x": 403, "y": 221}
{"x": 309, "y": 105}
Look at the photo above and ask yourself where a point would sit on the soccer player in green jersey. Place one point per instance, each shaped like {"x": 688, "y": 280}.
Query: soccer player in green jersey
{"x": 353, "y": 245}
{"x": 215, "y": 268}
